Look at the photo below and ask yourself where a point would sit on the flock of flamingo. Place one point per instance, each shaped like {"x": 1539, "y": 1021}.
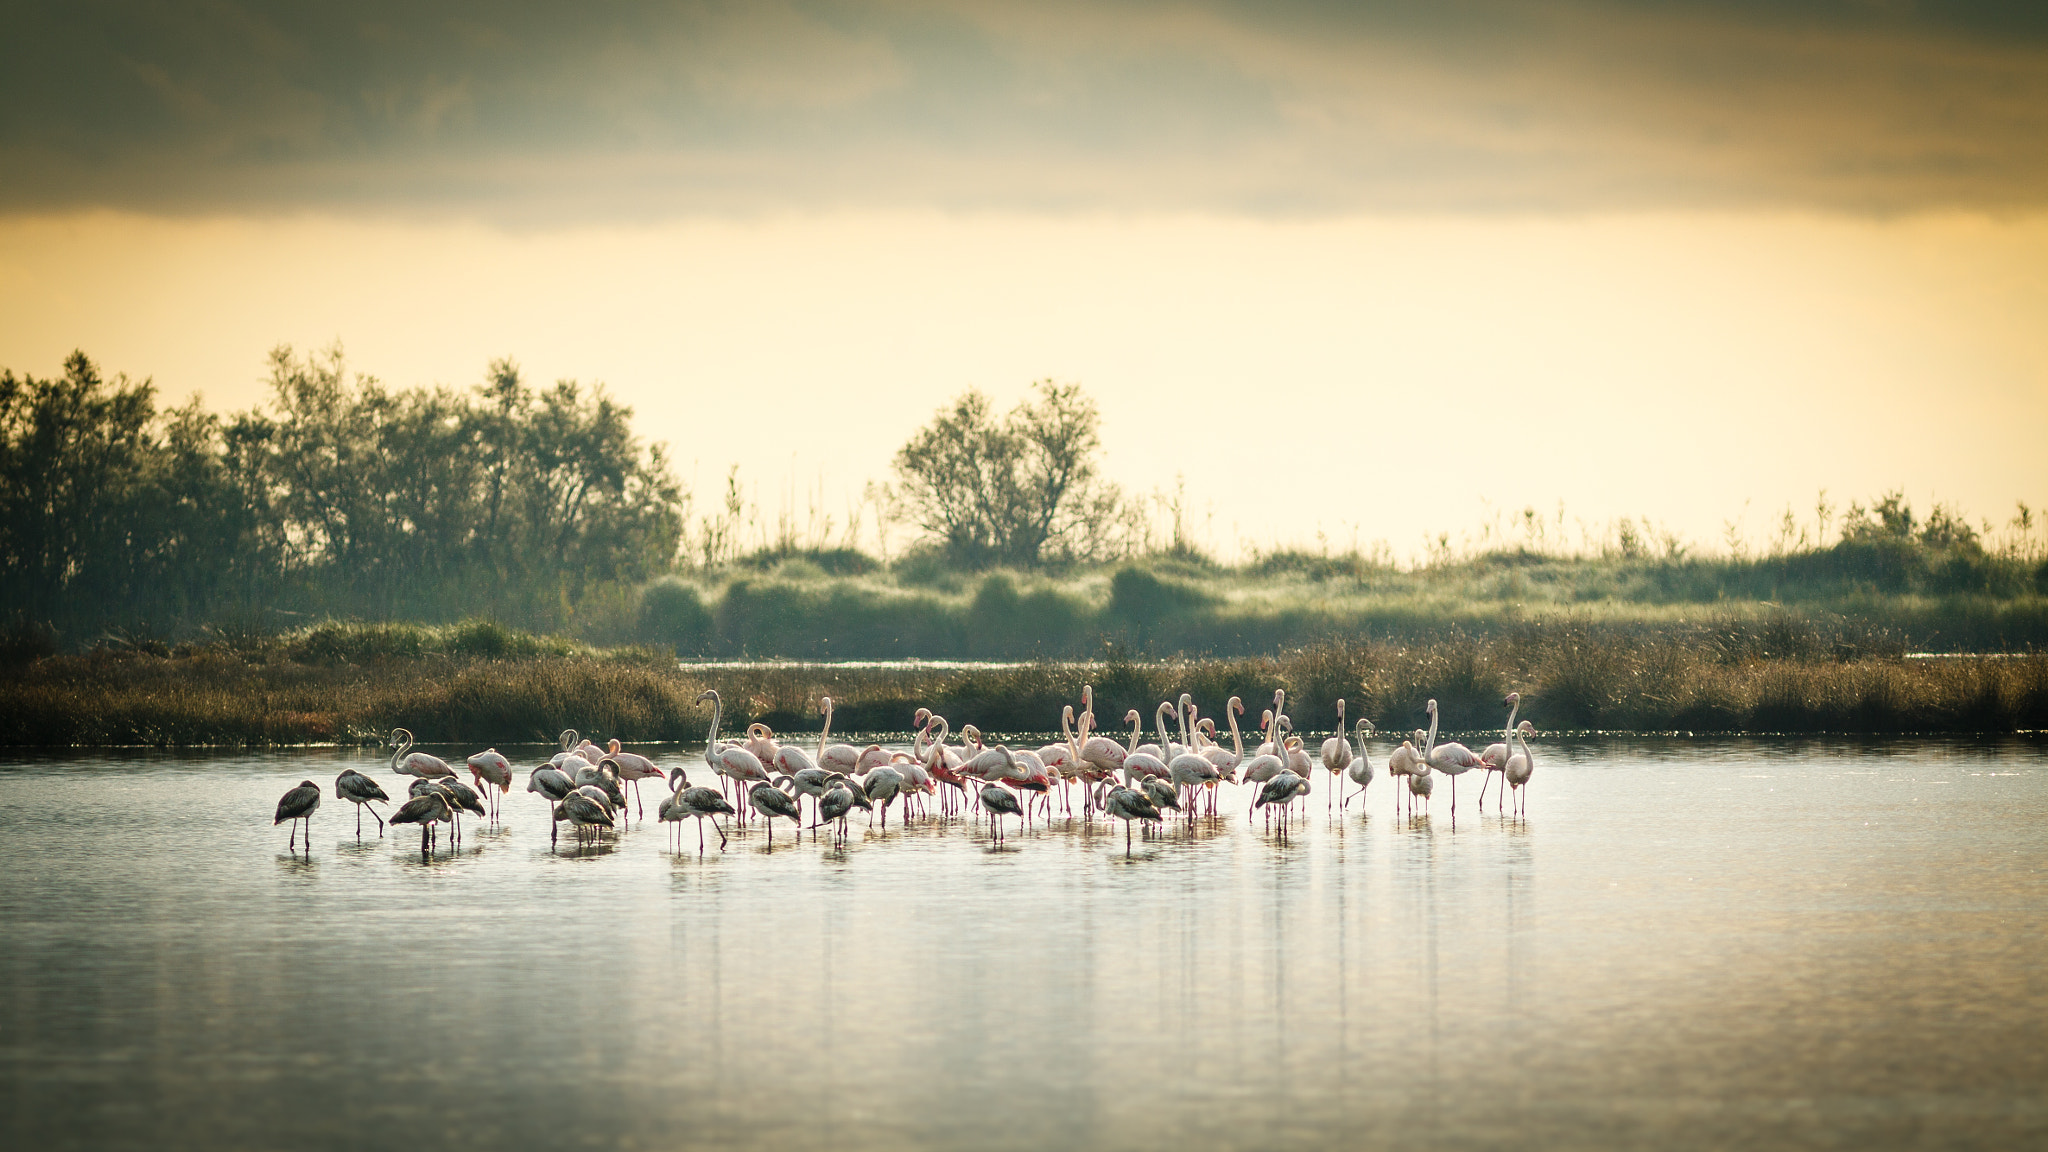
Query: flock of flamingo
{"x": 759, "y": 777}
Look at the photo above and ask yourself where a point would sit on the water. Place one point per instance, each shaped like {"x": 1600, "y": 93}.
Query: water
{"x": 1685, "y": 944}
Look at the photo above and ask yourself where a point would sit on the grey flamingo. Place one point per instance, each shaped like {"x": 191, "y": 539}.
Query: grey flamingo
{"x": 998, "y": 802}
{"x": 426, "y": 810}
{"x": 588, "y": 807}
{"x": 552, "y": 783}
{"x": 775, "y": 802}
{"x": 841, "y": 797}
{"x": 295, "y": 805}
{"x": 1128, "y": 804}
{"x": 359, "y": 789}
{"x": 698, "y": 802}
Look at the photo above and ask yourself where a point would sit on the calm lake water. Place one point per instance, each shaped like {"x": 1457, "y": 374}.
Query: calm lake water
{"x": 1685, "y": 944}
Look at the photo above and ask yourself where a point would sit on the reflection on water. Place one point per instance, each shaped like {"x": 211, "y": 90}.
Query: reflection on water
{"x": 1685, "y": 944}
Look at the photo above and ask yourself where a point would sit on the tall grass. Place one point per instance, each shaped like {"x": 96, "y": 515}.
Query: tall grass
{"x": 1781, "y": 677}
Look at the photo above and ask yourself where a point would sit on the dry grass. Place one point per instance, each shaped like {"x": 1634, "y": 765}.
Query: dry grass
{"x": 1570, "y": 679}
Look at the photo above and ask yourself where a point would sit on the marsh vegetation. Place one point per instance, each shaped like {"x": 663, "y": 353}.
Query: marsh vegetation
{"x": 481, "y": 684}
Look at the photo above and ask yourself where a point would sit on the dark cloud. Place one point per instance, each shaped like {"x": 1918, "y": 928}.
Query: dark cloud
{"x": 550, "y": 111}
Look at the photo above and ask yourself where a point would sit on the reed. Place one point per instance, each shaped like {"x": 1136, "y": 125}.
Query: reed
{"x": 1571, "y": 676}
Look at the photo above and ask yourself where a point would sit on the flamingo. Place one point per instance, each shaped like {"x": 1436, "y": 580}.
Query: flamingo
{"x": 1520, "y": 767}
{"x": 998, "y": 801}
{"x": 1421, "y": 783}
{"x": 731, "y": 761}
{"x": 1360, "y": 771}
{"x": 1262, "y": 768}
{"x": 1187, "y": 768}
{"x": 633, "y": 768}
{"x": 1139, "y": 763}
{"x": 354, "y": 786}
{"x": 552, "y": 784}
{"x": 588, "y": 807}
{"x": 461, "y": 797}
{"x": 1405, "y": 761}
{"x": 426, "y": 811}
{"x": 838, "y": 757}
{"x": 604, "y": 778}
{"x": 1496, "y": 755}
{"x": 882, "y": 785}
{"x": 771, "y": 799}
{"x": 299, "y": 803}
{"x": 761, "y": 742}
{"x": 1228, "y": 759}
{"x": 1452, "y": 759}
{"x": 489, "y": 767}
{"x": 839, "y": 799}
{"x": 942, "y": 763}
{"x": 418, "y": 764}
{"x": 695, "y": 802}
{"x": 1101, "y": 753}
{"x": 569, "y": 741}
{"x": 1337, "y": 751}
{"x": 1128, "y": 804}
{"x": 1282, "y": 789}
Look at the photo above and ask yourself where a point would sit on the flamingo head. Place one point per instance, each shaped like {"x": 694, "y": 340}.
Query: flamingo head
{"x": 1513, "y": 698}
{"x": 710, "y": 694}
{"x": 1526, "y": 729}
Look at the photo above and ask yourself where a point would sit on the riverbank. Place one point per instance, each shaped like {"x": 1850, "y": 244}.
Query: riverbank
{"x": 1569, "y": 680}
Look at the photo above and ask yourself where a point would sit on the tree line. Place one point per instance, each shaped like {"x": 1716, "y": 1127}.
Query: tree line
{"x": 339, "y": 496}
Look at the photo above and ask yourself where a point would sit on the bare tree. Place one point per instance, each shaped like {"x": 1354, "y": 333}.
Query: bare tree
{"x": 1021, "y": 490}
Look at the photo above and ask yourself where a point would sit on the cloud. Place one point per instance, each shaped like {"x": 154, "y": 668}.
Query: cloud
{"x": 642, "y": 109}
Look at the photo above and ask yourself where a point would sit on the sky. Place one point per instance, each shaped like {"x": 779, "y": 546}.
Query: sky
{"x": 1347, "y": 272}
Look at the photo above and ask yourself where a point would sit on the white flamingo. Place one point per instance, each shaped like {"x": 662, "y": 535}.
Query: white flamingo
{"x": 1495, "y": 757}
{"x": 1520, "y": 767}
{"x": 730, "y": 761}
{"x": 1452, "y": 759}
{"x": 1360, "y": 771}
{"x": 1336, "y": 753}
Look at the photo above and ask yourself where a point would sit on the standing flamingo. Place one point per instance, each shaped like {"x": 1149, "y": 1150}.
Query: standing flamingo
{"x": 731, "y": 761}
{"x": 1360, "y": 771}
{"x": 299, "y": 804}
{"x": 1520, "y": 767}
{"x": 695, "y": 802}
{"x": 488, "y": 767}
{"x": 1495, "y": 757}
{"x": 1452, "y": 759}
{"x": 353, "y": 786}
{"x": 633, "y": 768}
{"x": 1337, "y": 752}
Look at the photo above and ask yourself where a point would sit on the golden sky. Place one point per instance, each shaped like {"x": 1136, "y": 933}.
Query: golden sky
{"x": 1374, "y": 271}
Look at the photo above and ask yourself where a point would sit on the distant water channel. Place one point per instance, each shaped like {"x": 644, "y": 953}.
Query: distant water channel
{"x": 1686, "y": 944}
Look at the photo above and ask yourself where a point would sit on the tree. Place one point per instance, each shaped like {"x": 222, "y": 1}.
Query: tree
{"x": 1022, "y": 490}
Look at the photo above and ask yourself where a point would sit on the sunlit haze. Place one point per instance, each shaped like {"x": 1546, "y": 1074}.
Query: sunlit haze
{"x": 1349, "y": 276}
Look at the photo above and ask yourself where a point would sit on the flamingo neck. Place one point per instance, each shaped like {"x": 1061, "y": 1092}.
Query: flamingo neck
{"x": 1429, "y": 741}
{"x": 717, "y": 713}
{"x": 1507, "y": 735}
{"x": 825, "y": 731}
{"x": 1236, "y": 739}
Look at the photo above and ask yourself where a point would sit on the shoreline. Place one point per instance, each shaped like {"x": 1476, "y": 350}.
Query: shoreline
{"x": 223, "y": 700}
